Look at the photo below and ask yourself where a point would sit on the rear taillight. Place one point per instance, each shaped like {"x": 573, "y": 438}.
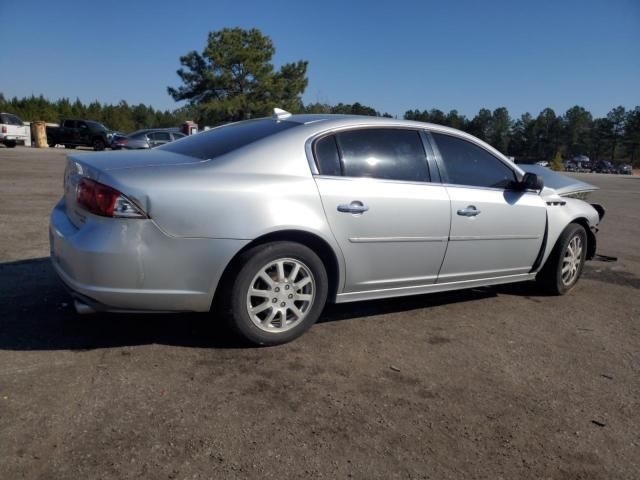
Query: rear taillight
{"x": 105, "y": 201}
{"x": 4, "y": 129}
{"x": 121, "y": 141}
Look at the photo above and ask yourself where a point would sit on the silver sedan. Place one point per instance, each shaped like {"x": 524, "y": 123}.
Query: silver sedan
{"x": 145, "y": 139}
{"x": 268, "y": 219}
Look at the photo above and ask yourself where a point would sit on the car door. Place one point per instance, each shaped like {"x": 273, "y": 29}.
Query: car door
{"x": 158, "y": 138}
{"x": 67, "y": 132}
{"x": 82, "y": 134}
{"x": 390, "y": 221}
{"x": 496, "y": 229}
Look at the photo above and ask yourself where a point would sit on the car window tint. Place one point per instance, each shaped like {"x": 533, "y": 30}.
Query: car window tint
{"x": 394, "y": 154}
{"x": 327, "y": 157}
{"x": 160, "y": 136}
{"x": 178, "y": 136}
{"x": 469, "y": 164}
{"x": 69, "y": 124}
{"x": 218, "y": 141}
{"x": 12, "y": 120}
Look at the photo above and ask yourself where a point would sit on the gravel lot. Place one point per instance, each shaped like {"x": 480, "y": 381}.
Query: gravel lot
{"x": 488, "y": 383}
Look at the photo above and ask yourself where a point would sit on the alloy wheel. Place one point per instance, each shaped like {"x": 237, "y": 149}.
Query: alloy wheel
{"x": 572, "y": 260}
{"x": 281, "y": 295}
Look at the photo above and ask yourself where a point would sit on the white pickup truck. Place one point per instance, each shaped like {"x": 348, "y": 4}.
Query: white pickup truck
{"x": 12, "y": 130}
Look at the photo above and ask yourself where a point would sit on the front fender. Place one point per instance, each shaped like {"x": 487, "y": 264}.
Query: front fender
{"x": 561, "y": 211}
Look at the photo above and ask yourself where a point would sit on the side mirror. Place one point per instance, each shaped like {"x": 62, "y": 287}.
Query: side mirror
{"x": 531, "y": 181}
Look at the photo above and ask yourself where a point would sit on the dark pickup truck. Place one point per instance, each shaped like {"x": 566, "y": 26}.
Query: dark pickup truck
{"x": 79, "y": 133}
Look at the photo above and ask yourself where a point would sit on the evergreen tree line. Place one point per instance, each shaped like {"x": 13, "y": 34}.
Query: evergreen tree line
{"x": 576, "y": 132}
{"x": 614, "y": 137}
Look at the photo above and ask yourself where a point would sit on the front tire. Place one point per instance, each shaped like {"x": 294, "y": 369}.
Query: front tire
{"x": 277, "y": 294}
{"x": 564, "y": 265}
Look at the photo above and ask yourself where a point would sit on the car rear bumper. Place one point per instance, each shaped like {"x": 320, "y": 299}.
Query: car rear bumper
{"x": 12, "y": 138}
{"x": 131, "y": 265}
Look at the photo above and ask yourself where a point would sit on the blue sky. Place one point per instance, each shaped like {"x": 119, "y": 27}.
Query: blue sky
{"x": 392, "y": 55}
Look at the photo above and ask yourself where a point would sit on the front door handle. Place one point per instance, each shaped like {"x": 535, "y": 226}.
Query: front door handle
{"x": 354, "y": 207}
{"x": 470, "y": 211}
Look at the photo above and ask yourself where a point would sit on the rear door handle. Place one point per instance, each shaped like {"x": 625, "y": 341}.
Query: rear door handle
{"x": 470, "y": 211}
{"x": 354, "y": 207}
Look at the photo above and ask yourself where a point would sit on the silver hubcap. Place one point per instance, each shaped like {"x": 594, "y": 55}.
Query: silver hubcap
{"x": 281, "y": 295}
{"x": 571, "y": 261}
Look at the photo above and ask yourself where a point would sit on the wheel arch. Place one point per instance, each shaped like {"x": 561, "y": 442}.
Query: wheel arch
{"x": 311, "y": 240}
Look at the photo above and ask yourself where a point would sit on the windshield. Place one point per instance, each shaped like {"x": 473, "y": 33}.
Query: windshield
{"x": 218, "y": 141}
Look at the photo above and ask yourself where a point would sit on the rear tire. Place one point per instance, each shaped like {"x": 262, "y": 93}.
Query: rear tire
{"x": 98, "y": 144}
{"x": 10, "y": 144}
{"x": 564, "y": 266}
{"x": 70, "y": 147}
{"x": 277, "y": 293}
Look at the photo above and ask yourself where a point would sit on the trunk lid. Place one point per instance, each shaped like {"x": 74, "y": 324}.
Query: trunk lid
{"x": 94, "y": 165}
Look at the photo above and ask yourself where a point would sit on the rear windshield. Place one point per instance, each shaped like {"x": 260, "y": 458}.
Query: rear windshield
{"x": 9, "y": 119}
{"x": 218, "y": 141}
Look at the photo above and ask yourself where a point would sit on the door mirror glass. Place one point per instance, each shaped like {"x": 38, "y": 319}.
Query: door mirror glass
{"x": 531, "y": 181}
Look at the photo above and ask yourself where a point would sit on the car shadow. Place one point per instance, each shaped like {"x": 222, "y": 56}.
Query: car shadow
{"x": 36, "y": 313}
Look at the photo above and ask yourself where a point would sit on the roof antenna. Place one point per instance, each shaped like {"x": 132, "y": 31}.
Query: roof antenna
{"x": 279, "y": 114}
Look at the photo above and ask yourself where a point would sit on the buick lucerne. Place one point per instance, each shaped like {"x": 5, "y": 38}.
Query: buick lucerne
{"x": 268, "y": 219}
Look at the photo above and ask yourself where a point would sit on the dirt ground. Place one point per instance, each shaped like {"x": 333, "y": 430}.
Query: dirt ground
{"x": 494, "y": 383}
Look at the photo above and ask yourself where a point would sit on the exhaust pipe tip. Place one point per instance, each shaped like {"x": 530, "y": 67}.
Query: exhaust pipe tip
{"x": 82, "y": 308}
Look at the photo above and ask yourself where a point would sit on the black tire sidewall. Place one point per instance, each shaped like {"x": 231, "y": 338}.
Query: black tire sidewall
{"x": 251, "y": 262}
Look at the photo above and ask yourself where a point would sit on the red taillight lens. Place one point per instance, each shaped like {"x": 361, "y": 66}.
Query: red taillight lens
{"x": 105, "y": 201}
{"x": 96, "y": 197}
{"x": 4, "y": 129}
{"x": 121, "y": 141}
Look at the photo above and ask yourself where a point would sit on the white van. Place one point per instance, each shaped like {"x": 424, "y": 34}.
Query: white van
{"x": 12, "y": 130}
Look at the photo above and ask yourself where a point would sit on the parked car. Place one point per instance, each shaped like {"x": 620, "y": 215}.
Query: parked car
{"x": 625, "y": 169}
{"x": 603, "y": 166}
{"x": 542, "y": 163}
{"x": 12, "y": 130}
{"x": 269, "y": 218}
{"x": 570, "y": 166}
{"x": 146, "y": 139}
{"x": 79, "y": 133}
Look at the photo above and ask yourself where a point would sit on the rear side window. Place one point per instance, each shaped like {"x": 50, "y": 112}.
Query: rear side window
{"x": 160, "y": 136}
{"x": 218, "y": 141}
{"x": 69, "y": 124}
{"x": 468, "y": 164}
{"x": 386, "y": 153}
{"x": 327, "y": 156}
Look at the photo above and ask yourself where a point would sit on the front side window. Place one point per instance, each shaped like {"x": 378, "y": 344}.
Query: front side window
{"x": 385, "y": 153}
{"x": 468, "y": 164}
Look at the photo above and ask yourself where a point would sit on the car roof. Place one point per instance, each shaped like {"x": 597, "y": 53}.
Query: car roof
{"x": 324, "y": 121}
